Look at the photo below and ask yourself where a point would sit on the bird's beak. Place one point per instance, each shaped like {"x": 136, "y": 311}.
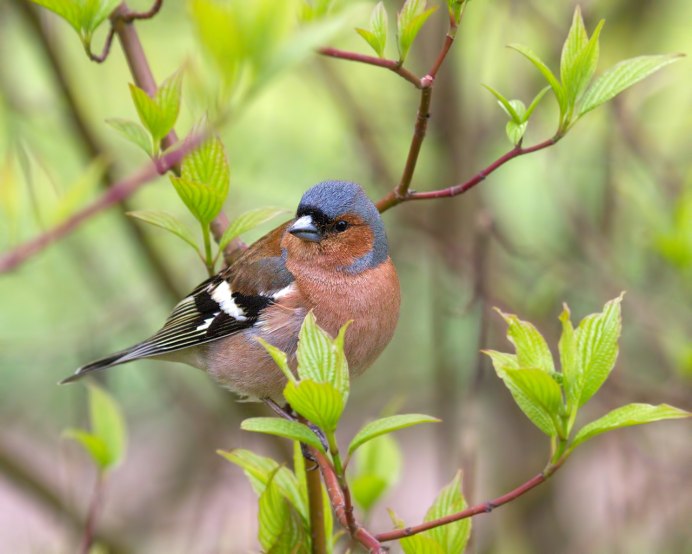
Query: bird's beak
{"x": 304, "y": 228}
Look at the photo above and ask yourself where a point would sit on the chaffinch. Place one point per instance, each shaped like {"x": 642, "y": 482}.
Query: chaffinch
{"x": 332, "y": 258}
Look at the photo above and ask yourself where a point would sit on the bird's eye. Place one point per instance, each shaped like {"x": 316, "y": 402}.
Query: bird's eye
{"x": 340, "y": 226}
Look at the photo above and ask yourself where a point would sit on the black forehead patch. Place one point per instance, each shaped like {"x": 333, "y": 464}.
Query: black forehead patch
{"x": 319, "y": 218}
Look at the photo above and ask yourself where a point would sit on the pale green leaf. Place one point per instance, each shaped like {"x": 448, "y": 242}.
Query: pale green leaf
{"x": 577, "y": 39}
{"x": 454, "y": 536}
{"x": 70, "y": 11}
{"x": 203, "y": 202}
{"x": 421, "y": 543}
{"x": 555, "y": 85}
{"x": 133, "y": 132}
{"x": 167, "y": 98}
{"x": 622, "y": 76}
{"x": 283, "y": 428}
{"x": 94, "y": 446}
{"x": 259, "y": 470}
{"x": 376, "y": 36}
{"x": 535, "y": 102}
{"x": 515, "y": 131}
{"x": 539, "y": 387}
{"x": 208, "y": 165}
{"x": 569, "y": 359}
{"x": 412, "y": 16}
{"x": 108, "y": 424}
{"x": 378, "y": 467}
{"x": 166, "y": 221}
{"x": 279, "y": 357}
{"x": 532, "y": 350}
{"x": 597, "y": 346}
{"x": 505, "y": 104}
{"x": 149, "y": 113}
{"x": 246, "y": 222}
{"x": 387, "y": 425}
{"x": 279, "y": 531}
{"x": 319, "y": 403}
{"x": 627, "y": 416}
{"x": 579, "y": 74}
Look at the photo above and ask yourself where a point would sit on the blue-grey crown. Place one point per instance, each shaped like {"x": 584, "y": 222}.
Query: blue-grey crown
{"x": 337, "y": 198}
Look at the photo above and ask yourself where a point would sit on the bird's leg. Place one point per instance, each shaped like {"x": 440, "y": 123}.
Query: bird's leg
{"x": 288, "y": 413}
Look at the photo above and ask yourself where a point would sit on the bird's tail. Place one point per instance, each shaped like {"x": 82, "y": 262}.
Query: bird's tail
{"x": 124, "y": 356}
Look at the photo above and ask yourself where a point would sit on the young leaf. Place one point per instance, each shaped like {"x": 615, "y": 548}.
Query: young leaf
{"x": 579, "y": 74}
{"x": 319, "y": 403}
{"x": 149, "y": 113}
{"x": 387, "y": 425}
{"x": 246, "y": 222}
{"x": 504, "y": 104}
{"x": 203, "y": 202}
{"x": 133, "y": 132}
{"x": 622, "y": 76}
{"x": 597, "y": 347}
{"x": 569, "y": 359}
{"x": 421, "y": 543}
{"x": 376, "y": 37}
{"x": 166, "y": 221}
{"x": 208, "y": 165}
{"x": 532, "y": 350}
{"x": 259, "y": 470}
{"x": 94, "y": 446}
{"x": 378, "y": 465}
{"x": 167, "y": 99}
{"x": 283, "y": 428}
{"x": 456, "y": 9}
{"x": 558, "y": 89}
{"x": 279, "y": 530}
{"x": 411, "y": 18}
{"x": 577, "y": 39}
{"x": 279, "y": 357}
{"x": 539, "y": 387}
{"x": 627, "y": 416}
{"x": 515, "y": 131}
{"x": 454, "y": 536}
{"x": 540, "y": 417}
{"x": 535, "y": 102}
{"x": 69, "y": 11}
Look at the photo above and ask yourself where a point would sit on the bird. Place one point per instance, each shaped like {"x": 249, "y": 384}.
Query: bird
{"x": 331, "y": 258}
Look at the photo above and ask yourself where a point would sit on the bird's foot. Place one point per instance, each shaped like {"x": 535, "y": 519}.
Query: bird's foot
{"x": 288, "y": 413}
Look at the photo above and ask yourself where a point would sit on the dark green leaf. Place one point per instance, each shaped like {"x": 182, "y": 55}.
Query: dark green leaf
{"x": 622, "y": 76}
{"x": 166, "y": 221}
{"x": 283, "y": 428}
{"x": 627, "y": 416}
{"x": 387, "y": 425}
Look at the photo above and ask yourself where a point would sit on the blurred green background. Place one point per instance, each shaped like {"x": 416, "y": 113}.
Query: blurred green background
{"x": 608, "y": 209}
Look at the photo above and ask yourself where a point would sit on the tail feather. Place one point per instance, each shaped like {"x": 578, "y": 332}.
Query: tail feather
{"x": 118, "y": 358}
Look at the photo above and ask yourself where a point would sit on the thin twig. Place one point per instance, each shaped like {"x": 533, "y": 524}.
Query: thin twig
{"x": 391, "y": 65}
{"x": 483, "y": 508}
{"x": 392, "y": 199}
{"x": 92, "y": 514}
{"x": 106, "y": 48}
{"x": 115, "y": 194}
{"x": 131, "y": 16}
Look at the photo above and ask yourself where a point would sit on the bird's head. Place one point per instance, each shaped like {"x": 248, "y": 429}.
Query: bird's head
{"x": 337, "y": 227}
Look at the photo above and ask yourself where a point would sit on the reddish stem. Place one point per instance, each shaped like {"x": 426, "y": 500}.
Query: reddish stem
{"x": 392, "y": 65}
{"x": 394, "y": 198}
{"x": 116, "y": 193}
{"x": 92, "y": 515}
{"x": 106, "y": 48}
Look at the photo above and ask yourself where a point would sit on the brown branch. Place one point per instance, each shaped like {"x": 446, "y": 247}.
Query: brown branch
{"x": 391, "y": 65}
{"x": 131, "y": 16}
{"x": 117, "y": 193}
{"x": 392, "y": 199}
{"x": 100, "y": 58}
{"x": 92, "y": 514}
{"x": 343, "y": 508}
{"x": 483, "y": 508}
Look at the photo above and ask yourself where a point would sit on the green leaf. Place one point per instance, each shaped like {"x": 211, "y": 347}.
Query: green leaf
{"x": 322, "y": 358}
{"x": 627, "y": 416}
{"x": 577, "y": 39}
{"x": 515, "y": 131}
{"x": 597, "y": 346}
{"x": 412, "y": 16}
{"x": 319, "y": 403}
{"x": 376, "y": 37}
{"x": 94, "y": 446}
{"x": 246, "y": 222}
{"x": 203, "y": 202}
{"x": 69, "y": 11}
{"x": 166, "y": 221}
{"x": 532, "y": 350}
{"x": 557, "y": 88}
{"x": 454, "y": 536}
{"x": 535, "y": 102}
{"x": 378, "y": 465}
{"x": 622, "y": 76}
{"x": 456, "y": 9}
{"x": 387, "y": 425}
{"x": 78, "y": 192}
{"x": 535, "y": 412}
{"x": 259, "y": 470}
{"x": 149, "y": 113}
{"x": 279, "y": 357}
{"x": 504, "y": 104}
{"x": 538, "y": 387}
{"x": 167, "y": 98}
{"x": 208, "y": 165}
{"x": 84, "y": 16}
{"x": 133, "y": 132}
{"x": 578, "y": 75}
{"x": 279, "y": 530}
{"x": 569, "y": 359}
{"x": 283, "y": 428}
